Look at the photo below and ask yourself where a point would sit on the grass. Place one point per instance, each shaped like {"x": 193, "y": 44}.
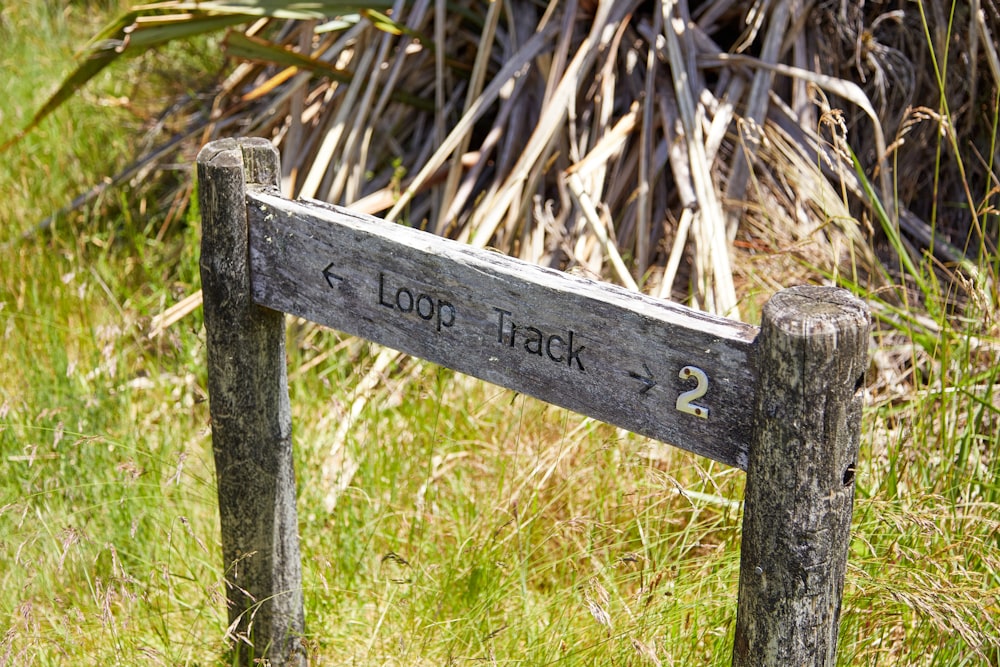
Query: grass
{"x": 480, "y": 526}
{"x": 105, "y": 506}
{"x": 464, "y": 524}
{"x": 85, "y": 138}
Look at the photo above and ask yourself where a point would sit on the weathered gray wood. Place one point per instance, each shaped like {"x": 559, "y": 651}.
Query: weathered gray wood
{"x": 784, "y": 404}
{"x": 251, "y": 416}
{"x": 811, "y": 357}
{"x": 591, "y": 347}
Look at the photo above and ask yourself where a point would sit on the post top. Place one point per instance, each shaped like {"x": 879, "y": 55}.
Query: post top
{"x": 256, "y": 156}
{"x": 812, "y": 307}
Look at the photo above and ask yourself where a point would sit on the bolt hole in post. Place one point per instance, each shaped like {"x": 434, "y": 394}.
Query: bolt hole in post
{"x": 849, "y": 475}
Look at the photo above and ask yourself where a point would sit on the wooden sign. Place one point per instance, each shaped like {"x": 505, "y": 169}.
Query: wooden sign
{"x": 782, "y": 402}
{"x": 646, "y": 365}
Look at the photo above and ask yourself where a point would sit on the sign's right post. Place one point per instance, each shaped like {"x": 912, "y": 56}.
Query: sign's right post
{"x": 811, "y": 356}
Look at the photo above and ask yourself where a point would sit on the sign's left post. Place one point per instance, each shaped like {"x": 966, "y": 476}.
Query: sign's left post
{"x": 251, "y": 415}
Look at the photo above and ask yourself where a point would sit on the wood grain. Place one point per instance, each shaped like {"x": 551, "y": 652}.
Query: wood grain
{"x": 812, "y": 355}
{"x": 591, "y": 347}
{"x": 783, "y": 403}
{"x": 251, "y": 416}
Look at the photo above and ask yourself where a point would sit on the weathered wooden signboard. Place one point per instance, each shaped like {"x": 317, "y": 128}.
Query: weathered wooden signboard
{"x": 640, "y": 363}
{"x": 782, "y": 402}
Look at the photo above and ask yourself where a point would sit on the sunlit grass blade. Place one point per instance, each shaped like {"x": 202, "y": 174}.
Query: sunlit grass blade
{"x": 247, "y": 47}
{"x": 147, "y": 27}
{"x": 890, "y": 229}
{"x": 282, "y": 9}
{"x": 132, "y": 34}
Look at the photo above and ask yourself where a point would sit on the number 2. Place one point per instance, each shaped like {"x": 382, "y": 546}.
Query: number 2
{"x": 684, "y": 403}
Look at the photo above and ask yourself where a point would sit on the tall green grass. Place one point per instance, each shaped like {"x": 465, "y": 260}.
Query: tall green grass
{"x": 483, "y": 526}
{"x": 89, "y": 136}
{"x": 480, "y": 526}
{"x": 926, "y": 572}
{"x": 106, "y": 522}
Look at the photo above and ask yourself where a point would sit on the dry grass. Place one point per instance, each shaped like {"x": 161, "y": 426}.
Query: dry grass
{"x": 711, "y": 152}
{"x": 648, "y": 147}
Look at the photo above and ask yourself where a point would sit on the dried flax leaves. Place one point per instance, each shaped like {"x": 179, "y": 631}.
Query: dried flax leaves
{"x": 573, "y": 143}
{"x": 616, "y": 139}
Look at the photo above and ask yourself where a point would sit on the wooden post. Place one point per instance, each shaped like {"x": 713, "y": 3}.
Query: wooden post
{"x": 592, "y": 348}
{"x": 811, "y": 358}
{"x": 251, "y": 415}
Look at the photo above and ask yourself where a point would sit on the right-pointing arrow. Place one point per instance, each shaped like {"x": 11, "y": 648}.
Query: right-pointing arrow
{"x": 647, "y": 380}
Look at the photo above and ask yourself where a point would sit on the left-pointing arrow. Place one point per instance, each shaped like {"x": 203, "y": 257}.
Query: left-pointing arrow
{"x": 331, "y": 278}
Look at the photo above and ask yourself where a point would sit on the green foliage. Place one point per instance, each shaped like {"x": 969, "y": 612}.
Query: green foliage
{"x": 106, "y": 517}
{"x": 478, "y": 526}
{"x": 106, "y": 507}
{"x": 926, "y": 521}
{"x": 137, "y": 32}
